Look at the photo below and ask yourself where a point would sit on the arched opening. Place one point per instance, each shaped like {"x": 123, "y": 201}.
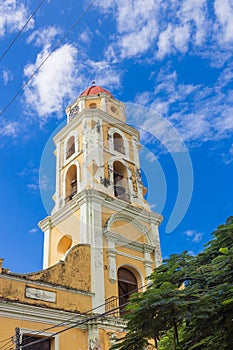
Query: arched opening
{"x": 92, "y": 105}
{"x": 71, "y": 183}
{"x": 70, "y": 149}
{"x": 121, "y": 189}
{"x": 127, "y": 284}
{"x": 118, "y": 143}
{"x": 64, "y": 244}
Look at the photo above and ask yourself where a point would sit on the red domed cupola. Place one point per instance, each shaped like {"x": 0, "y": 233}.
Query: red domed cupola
{"x": 95, "y": 90}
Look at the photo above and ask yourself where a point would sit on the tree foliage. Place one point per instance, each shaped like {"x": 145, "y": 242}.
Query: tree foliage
{"x": 189, "y": 303}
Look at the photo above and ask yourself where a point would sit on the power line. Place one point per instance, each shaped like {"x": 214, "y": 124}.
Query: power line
{"x": 69, "y": 321}
{"x": 47, "y": 57}
{"x": 73, "y": 326}
{"x": 21, "y": 30}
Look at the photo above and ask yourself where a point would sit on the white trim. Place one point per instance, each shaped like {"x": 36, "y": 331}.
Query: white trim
{"x": 73, "y": 133}
{"x": 107, "y": 201}
{"x": 111, "y": 132}
{"x": 40, "y": 334}
{"x": 46, "y": 250}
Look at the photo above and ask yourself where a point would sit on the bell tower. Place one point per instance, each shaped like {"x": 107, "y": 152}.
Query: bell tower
{"x": 99, "y": 198}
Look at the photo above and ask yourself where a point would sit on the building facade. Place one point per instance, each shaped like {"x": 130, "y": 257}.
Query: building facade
{"x": 101, "y": 240}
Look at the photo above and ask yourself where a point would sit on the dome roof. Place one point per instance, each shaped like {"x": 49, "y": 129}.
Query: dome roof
{"x": 95, "y": 90}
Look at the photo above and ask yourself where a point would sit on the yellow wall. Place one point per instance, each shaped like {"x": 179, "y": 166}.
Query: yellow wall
{"x": 66, "y": 227}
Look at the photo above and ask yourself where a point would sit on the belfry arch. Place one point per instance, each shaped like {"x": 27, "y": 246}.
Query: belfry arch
{"x": 120, "y": 178}
{"x": 118, "y": 143}
{"x": 71, "y": 183}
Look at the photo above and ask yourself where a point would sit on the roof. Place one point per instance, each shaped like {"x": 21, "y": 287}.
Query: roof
{"x": 95, "y": 90}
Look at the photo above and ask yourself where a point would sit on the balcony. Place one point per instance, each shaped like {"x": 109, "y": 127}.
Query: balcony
{"x": 112, "y": 304}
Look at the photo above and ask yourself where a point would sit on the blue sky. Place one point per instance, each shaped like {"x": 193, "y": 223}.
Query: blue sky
{"x": 172, "y": 59}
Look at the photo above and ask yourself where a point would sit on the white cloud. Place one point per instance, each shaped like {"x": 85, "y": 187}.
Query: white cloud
{"x": 224, "y": 13}
{"x": 55, "y": 81}
{"x": 199, "y": 113}
{"x": 44, "y": 37}
{"x": 10, "y": 129}
{"x": 150, "y": 157}
{"x": 33, "y": 230}
{"x": 13, "y": 16}
{"x": 228, "y": 157}
{"x": 175, "y": 26}
{"x": 7, "y": 76}
{"x": 86, "y": 36}
{"x": 173, "y": 39}
{"x": 137, "y": 25}
{"x": 194, "y": 236}
{"x": 104, "y": 73}
{"x": 37, "y": 185}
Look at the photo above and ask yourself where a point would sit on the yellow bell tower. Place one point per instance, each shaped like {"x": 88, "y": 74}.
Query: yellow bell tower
{"x": 99, "y": 199}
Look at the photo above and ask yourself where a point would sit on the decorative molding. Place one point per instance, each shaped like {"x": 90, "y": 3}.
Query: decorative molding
{"x": 104, "y": 199}
{"x": 39, "y": 314}
{"x": 40, "y": 294}
{"x": 125, "y": 242}
{"x": 128, "y": 218}
{"x": 23, "y": 278}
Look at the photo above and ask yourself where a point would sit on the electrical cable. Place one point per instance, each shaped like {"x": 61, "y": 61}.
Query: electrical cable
{"x": 77, "y": 323}
{"x": 47, "y": 57}
{"x": 73, "y": 326}
{"x": 72, "y": 319}
{"x": 21, "y": 30}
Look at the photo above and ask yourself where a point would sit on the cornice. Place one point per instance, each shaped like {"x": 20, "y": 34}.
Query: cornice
{"x": 40, "y": 314}
{"x": 23, "y": 278}
{"x": 113, "y": 203}
{"x": 125, "y": 242}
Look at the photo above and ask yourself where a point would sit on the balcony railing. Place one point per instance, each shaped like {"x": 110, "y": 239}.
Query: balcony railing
{"x": 68, "y": 198}
{"x": 112, "y": 304}
{"x": 119, "y": 148}
{"x": 70, "y": 151}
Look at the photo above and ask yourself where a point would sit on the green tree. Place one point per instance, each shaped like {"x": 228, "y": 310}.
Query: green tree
{"x": 189, "y": 304}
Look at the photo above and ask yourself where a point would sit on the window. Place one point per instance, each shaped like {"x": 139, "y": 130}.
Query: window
{"x": 92, "y": 105}
{"x": 127, "y": 284}
{"x": 64, "y": 244}
{"x": 43, "y": 344}
{"x": 71, "y": 183}
{"x": 118, "y": 143}
{"x": 113, "y": 109}
{"x": 120, "y": 181}
{"x": 70, "y": 149}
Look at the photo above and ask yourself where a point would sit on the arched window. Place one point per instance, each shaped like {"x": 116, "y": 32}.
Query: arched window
{"x": 92, "y": 105}
{"x": 70, "y": 149}
{"x": 64, "y": 244}
{"x": 121, "y": 189}
{"x": 71, "y": 183}
{"x": 127, "y": 284}
{"x": 118, "y": 143}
